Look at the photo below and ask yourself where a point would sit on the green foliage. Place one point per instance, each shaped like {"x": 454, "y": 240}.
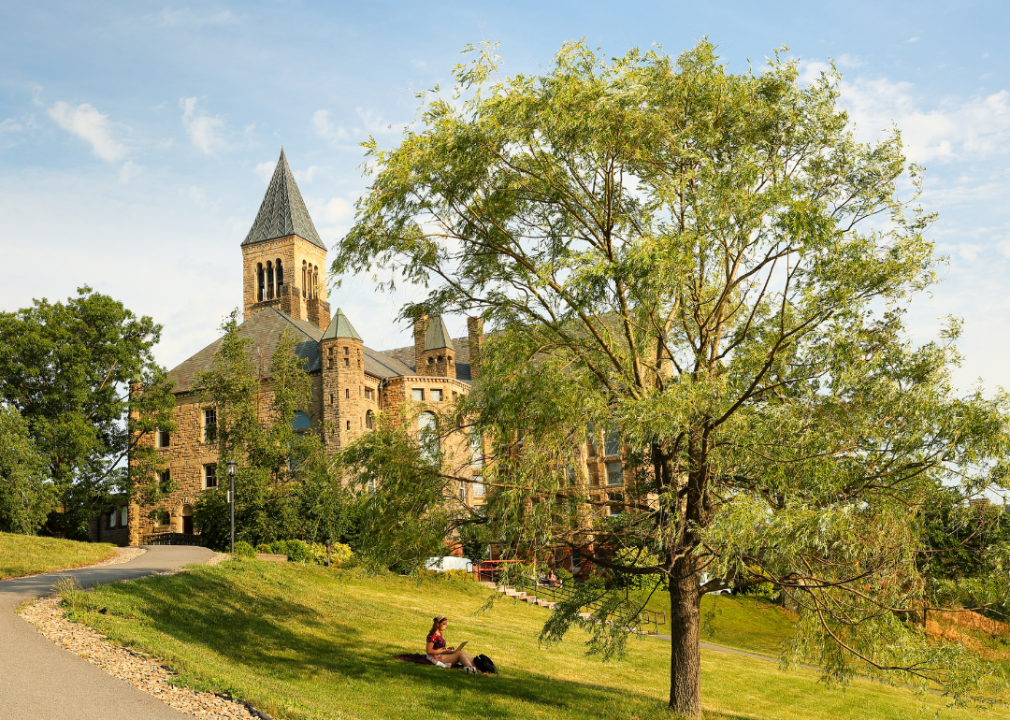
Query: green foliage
{"x": 711, "y": 264}
{"x": 22, "y": 555}
{"x": 82, "y": 376}
{"x": 244, "y": 550}
{"x": 283, "y": 487}
{"x": 25, "y": 498}
{"x": 74, "y": 598}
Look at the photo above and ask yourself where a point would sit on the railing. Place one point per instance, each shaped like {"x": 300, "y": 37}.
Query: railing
{"x": 171, "y": 538}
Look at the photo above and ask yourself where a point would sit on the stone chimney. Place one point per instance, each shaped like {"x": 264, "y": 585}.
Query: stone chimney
{"x": 420, "y": 330}
{"x": 475, "y": 334}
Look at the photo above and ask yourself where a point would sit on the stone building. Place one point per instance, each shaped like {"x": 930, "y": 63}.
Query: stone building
{"x": 283, "y": 288}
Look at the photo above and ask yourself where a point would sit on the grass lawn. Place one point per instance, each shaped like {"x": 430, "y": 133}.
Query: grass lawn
{"x": 737, "y": 621}
{"x": 306, "y": 642}
{"x": 27, "y": 555}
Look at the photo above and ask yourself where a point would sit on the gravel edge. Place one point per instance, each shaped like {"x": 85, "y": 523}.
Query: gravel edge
{"x": 139, "y": 669}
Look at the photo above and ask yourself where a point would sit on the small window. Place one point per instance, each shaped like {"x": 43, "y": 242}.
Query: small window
{"x": 371, "y": 486}
{"x": 612, "y": 443}
{"x": 478, "y": 487}
{"x": 124, "y": 516}
{"x": 210, "y": 476}
{"x": 476, "y": 450}
{"x": 462, "y": 490}
{"x": 427, "y": 423}
{"x": 615, "y": 498}
{"x": 348, "y": 424}
{"x": 436, "y": 395}
{"x": 347, "y": 393}
{"x": 331, "y": 398}
{"x": 615, "y": 473}
{"x": 417, "y": 394}
{"x": 569, "y": 475}
{"x": 369, "y": 420}
{"x": 163, "y": 438}
{"x": 590, "y": 440}
{"x": 161, "y": 518}
{"x": 369, "y": 393}
{"x": 112, "y": 519}
{"x": 210, "y": 425}
{"x": 347, "y": 351}
{"x": 347, "y": 362}
{"x": 164, "y": 481}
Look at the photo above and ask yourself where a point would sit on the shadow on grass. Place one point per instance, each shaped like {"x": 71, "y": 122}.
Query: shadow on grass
{"x": 271, "y": 633}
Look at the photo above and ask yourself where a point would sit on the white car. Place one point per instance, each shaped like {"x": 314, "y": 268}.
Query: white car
{"x": 450, "y": 562}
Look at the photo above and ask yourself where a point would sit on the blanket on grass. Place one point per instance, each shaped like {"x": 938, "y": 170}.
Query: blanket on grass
{"x": 413, "y": 658}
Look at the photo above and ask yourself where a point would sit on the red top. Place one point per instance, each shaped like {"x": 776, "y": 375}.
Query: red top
{"x": 436, "y": 640}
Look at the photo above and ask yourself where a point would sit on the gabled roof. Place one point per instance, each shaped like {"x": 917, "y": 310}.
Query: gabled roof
{"x": 404, "y": 357}
{"x": 264, "y": 330}
{"x": 436, "y": 336}
{"x": 283, "y": 211}
{"x": 340, "y": 327}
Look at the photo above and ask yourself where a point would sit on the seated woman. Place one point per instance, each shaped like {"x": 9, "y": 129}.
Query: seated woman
{"x": 439, "y": 654}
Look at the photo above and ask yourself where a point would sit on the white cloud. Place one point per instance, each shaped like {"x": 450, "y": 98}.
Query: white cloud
{"x": 337, "y": 209}
{"x": 306, "y": 176}
{"x": 957, "y": 128}
{"x": 326, "y": 129}
{"x": 912, "y": 40}
{"x": 265, "y": 170}
{"x": 87, "y": 123}
{"x": 202, "y": 129}
{"x": 186, "y": 17}
{"x": 9, "y": 125}
{"x": 129, "y": 171}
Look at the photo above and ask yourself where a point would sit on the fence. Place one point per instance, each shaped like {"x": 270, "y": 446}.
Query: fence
{"x": 171, "y": 538}
{"x": 490, "y": 570}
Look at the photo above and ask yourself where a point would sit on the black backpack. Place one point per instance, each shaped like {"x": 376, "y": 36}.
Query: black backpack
{"x": 485, "y": 664}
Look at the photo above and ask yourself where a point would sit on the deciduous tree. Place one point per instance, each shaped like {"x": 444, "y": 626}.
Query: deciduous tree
{"x": 709, "y": 264}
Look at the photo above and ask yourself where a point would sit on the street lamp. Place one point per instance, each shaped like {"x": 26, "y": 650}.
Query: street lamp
{"x": 232, "y": 465}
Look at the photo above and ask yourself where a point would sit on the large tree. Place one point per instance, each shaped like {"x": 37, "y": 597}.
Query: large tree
{"x": 283, "y": 488}
{"x": 709, "y": 265}
{"x": 82, "y": 377}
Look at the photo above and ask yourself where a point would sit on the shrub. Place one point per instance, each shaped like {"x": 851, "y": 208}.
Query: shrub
{"x": 298, "y": 551}
{"x": 263, "y": 548}
{"x": 244, "y": 550}
{"x": 76, "y": 599}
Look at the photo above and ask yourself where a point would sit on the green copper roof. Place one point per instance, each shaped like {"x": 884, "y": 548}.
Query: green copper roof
{"x": 283, "y": 211}
{"x": 436, "y": 336}
{"x": 340, "y": 327}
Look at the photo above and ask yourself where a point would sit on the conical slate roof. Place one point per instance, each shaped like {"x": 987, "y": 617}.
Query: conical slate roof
{"x": 283, "y": 211}
{"x": 340, "y": 327}
{"x": 436, "y": 336}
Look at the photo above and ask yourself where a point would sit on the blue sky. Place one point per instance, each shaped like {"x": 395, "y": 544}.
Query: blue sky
{"x": 136, "y": 139}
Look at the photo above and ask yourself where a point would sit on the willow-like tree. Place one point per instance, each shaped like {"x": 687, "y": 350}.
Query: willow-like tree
{"x": 711, "y": 265}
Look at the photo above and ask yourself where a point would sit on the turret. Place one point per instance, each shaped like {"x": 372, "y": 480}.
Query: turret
{"x": 434, "y": 354}
{"x": 342, "y": 356}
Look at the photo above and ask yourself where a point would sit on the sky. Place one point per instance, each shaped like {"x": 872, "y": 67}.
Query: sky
{"x": 137, "y": 138}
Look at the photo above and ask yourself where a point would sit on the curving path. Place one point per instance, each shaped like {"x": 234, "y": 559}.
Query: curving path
{"x": 41, "y": 681}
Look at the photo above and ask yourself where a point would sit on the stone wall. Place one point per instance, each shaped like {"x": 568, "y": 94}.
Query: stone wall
{"x": 292, "y": 251}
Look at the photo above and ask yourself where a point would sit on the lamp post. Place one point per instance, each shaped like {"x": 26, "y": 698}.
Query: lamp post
{"x": 232, "y": 465}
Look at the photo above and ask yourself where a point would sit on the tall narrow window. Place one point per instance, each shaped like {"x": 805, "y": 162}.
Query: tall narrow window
{"x": 260, "y": 282}
{"x": 370, "y": 420}
{"x": 478, "y": 487}
{"x": 305, "y": 280}
{"x": 165, "y": 481}
{"x": 209, "y": 425}
{"x": 280, "y": 276}
{"x": 476, "y": 450}
{"x": 427, "y": 423}
{"x": 615, "y": 473}
{"x": 124, "y": 516}
{"x": 270, "y": 280}
{"x": 591, "y": 440}
{"x": 612, "y": 442}
{"x": 210, "y": 476}
{"x": 164, "y": 438}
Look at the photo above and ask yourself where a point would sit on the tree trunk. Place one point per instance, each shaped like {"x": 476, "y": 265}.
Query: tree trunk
{"x": 685, "y": 656}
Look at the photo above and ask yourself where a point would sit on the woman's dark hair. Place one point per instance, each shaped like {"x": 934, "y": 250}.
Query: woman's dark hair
{"x": 439, "y": 619}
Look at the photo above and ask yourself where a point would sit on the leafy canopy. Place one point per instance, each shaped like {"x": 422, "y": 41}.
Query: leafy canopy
{"x": 709, "y": 265}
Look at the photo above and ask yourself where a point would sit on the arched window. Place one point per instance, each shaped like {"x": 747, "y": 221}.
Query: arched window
{"x": 315, "y": 281}
{"x": 259, "y": 282}
{"x": 427, "y": 424}
{"x": 280, "y": 276}
{"x": 270, "y": 280}
{"x": 370, "y": 420}
{"x": 305, "y": 279}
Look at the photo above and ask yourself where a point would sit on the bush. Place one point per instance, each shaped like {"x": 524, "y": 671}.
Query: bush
{"x": 298, "y": 551}
{"x": 263, "y": 548}
{"x": 244, "y": 550}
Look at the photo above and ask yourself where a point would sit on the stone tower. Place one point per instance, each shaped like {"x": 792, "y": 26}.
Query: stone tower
{"x": 434, "y": 354}
{"x": 342, "y": 357}
{"x": 283, "y": 259}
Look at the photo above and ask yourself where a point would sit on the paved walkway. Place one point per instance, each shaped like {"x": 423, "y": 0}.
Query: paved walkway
{"x": 40, "y": 681}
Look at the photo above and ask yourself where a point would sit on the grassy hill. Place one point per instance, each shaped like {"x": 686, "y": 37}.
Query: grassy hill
{"x": 27, "y": 555}
{"x": 306, "y": 642}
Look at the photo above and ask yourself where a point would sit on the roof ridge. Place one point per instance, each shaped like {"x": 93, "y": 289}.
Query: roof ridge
{"x": 291, "y": 322}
